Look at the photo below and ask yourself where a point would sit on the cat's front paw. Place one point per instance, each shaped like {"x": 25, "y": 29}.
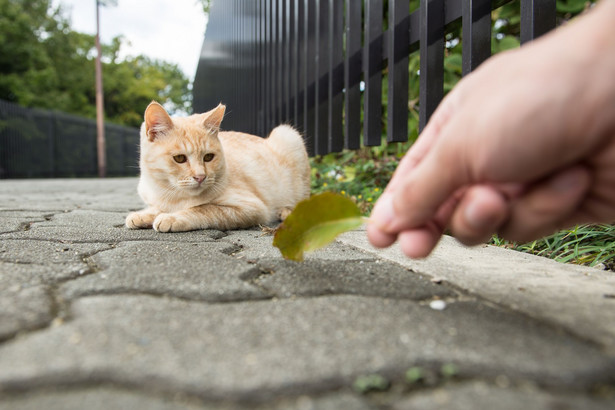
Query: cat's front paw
{"x": 171, "y": 223}
{"x": 139, "y": 220}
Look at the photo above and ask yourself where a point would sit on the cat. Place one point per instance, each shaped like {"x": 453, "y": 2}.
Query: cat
{"x": 194, "y": 176}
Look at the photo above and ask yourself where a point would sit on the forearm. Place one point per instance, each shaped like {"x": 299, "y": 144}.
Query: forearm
{"x": 591, "y": 38}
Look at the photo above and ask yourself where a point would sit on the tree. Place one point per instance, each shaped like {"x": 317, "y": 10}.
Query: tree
{"x": 45, "y": 64}
{"x": 206, "y": 5}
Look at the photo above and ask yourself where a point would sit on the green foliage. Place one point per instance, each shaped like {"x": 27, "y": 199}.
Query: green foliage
{"x": 314, "y": 223}
{"x": 370, "y": 383}
{"x": 586, "y": 245}
{"x": 45, "y": 64}
{"x": 572, "y": 6}
{"x": 206, "y": 5}
{"x": 414, "y": 375}
{"x": 359, "y": 175}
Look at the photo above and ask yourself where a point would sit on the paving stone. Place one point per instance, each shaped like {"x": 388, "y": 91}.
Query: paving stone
{"x": 118, "y": 194}
{"x": 109, "y": 398}
{"x": 101, "y": 226}
{"x": 193, "y": 270}
{"x": 24, "y": 275}
{"x": 23, "y": 309}
{"x": 47, "y": 252}
{"x": 337, "y": 401}
{"x": 263, "y": 348}
{"x": 94, "y": 399}
{"x": 25, "y": 301}
{"x": 576, "y": 297}
{"x": 28, "y": 263}
{"x": 255, "y": 244}
{"x": 479, "y": 395}
{"x": 315, "y": 277}
{"x": 11, "y": 221}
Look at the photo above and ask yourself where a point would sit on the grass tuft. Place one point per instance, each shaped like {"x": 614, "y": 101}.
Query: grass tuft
{"x": 589, "y": 245}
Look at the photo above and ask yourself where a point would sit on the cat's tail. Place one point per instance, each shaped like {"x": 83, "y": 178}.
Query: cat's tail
{"x": 288, "y": 143}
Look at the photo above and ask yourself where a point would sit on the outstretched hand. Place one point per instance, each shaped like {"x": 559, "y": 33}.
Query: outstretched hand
{"x": 523, "y": 146}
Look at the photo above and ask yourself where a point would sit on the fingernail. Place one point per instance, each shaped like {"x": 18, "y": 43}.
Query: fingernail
{"x": 383, "y": 212}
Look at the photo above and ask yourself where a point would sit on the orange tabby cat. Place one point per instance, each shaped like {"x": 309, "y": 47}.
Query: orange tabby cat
{"x": 194, "y": 176}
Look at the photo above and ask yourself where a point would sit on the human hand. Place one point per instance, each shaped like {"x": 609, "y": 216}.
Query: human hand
{"x": 523, "y": 146}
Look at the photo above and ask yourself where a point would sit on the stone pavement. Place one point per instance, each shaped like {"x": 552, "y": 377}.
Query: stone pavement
{"x": 95, "y": 316}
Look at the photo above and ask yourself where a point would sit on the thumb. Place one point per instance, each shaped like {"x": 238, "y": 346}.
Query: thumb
{"x": 435, "y": 180}
{"x": 421, "y": 191}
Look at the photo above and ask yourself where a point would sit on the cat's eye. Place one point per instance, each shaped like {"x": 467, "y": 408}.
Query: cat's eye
{"x": 208, "y": 157}
{"x": 180, "y": 159}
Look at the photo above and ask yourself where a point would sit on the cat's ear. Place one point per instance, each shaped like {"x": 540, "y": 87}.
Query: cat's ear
{"x": 157, "y": 121}
{"x": 213, "y": 118}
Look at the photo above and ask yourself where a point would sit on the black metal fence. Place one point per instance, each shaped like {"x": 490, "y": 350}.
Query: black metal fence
{"x": 314, "y": 63}
{"x": 42, "y": 143}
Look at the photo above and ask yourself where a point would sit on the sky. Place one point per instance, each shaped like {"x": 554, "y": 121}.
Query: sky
{"x": 170, "y": 30}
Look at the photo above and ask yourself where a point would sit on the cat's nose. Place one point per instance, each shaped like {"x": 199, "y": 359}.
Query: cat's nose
{"x": 199, "y": 178}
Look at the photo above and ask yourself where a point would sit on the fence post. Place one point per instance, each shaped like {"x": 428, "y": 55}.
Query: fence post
{"x": 322, "y": 76}
{"x": 352, "y": 75}
{"x": 51, "y": 137}
{"x": 372, "y": 69}
{"x": 432, "y": 58}
{"x": 309, "y": 64}
{"x": 476, "y": 32}
{"x": 398, "y": 41}
{"x": 537, "y": 17}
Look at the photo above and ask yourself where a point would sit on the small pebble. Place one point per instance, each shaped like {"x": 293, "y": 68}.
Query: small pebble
{"x": 437, "y": 304}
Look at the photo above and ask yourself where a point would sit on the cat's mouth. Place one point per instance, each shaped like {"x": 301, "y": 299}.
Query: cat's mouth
{"x": 192, "y": 185}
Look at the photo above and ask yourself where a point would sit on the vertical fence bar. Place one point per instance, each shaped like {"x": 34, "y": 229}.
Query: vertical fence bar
{"x": 267, "y": 66}
{"x": 280, "y": 69}
{"x": 271, "y": 62}
{"x": 476, "y": 33}
{"x": 322, "y": 76}
{"x": 258, "y": 44}
{"x": 300, "y": 53}
{"x": 52, "y": 144}
{"x": 352, "y": 75}
{"x": 432, "y": 58}
{"x": 537, "y": 17}
{"x": 251, "y": 43}
{"x": 310, "y": 79}
{"x": 290, "y": 71}
{"x": 237, "y": 55}
{"x": 372, "y": 73}
{"x": 275, "y": 74}
{"x": 336, "y": 76}
{"x": 397, "y": 55}
{"x": 294, "y": 57}
{"x": 241, "y": 59}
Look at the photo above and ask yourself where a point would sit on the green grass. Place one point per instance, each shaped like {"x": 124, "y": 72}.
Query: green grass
{"x": 585, "y": 245}
{"x": 362, "y": 175}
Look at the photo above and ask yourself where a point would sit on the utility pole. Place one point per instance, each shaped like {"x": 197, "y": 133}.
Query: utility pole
{"x": 100, "y": 109}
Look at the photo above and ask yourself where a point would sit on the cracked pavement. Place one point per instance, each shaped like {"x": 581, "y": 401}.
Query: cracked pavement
{"x": 93, "y": 315}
